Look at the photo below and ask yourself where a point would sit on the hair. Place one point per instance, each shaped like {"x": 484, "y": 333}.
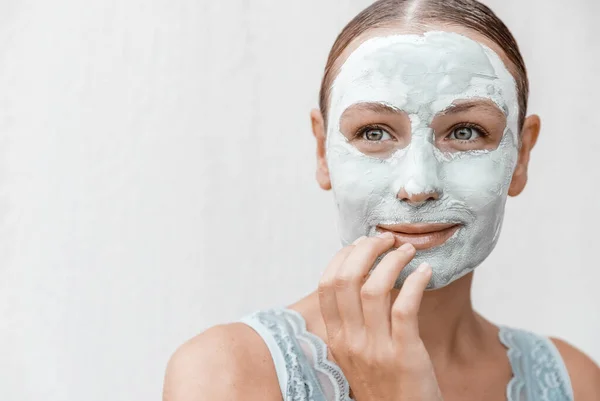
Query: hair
{"x": 467, "y": 13}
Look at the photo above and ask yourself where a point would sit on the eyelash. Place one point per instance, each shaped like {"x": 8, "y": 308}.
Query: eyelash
{"x": 369, "y": 127}
{"x": 479, "y": 128}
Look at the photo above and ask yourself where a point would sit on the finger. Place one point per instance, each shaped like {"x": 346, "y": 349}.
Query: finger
{"x": 375, "y": 293}
{"x": 351, "y": 276}
{"x": 326, "y": 291}
{"x": 405, "y": 310}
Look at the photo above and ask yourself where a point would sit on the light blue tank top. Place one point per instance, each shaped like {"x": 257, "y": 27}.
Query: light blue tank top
{"x": 306, "y": 374}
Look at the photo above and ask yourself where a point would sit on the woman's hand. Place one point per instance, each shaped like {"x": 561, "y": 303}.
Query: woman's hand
{"x": 375, "y": 343}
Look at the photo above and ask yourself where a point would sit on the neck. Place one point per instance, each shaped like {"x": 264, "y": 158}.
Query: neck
{"x": 448, "y": 326}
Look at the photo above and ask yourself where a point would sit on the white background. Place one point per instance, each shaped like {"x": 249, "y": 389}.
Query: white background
{"x": 157, "y": 178}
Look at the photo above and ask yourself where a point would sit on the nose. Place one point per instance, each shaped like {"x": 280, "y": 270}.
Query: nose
{"x": 418, "y": 181}
{"x": 417, "y": 199}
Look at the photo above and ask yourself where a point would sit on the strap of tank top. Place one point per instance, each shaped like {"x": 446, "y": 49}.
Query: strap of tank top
{"x": 296, "y": 380}
{"x": 539, "y": 370}
{"x": 274, "y": 349}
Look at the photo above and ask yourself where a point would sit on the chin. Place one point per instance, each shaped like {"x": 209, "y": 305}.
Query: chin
{"x": 452, "y": 260}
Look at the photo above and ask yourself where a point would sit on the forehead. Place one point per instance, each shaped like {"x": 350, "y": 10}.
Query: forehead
{"x": 417, "y": 59}
{"x": 420, "y": 29}
{"x": 422, "y": 74}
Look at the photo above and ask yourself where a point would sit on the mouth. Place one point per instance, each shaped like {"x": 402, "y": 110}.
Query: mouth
{"x": 421, "y": 236}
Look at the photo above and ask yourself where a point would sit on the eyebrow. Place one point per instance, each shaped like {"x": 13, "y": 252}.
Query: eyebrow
{"x": 452, "y": 109}
{"x": 466, "y": 106}
{"x": 372, "y": 106}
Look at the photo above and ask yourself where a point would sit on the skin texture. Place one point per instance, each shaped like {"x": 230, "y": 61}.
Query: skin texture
{"x": 375, "y": 342}
{"x": 433, "y": 86}
{"x": 231, "y": 362}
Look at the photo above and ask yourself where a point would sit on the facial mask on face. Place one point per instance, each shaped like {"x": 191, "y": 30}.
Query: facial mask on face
{"x": 422, "y": 75}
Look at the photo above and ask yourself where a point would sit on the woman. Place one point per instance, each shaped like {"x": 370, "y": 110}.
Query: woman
{"x": 421, "y": 133}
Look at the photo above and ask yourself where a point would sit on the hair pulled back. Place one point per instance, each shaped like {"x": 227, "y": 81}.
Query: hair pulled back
{"x": 467, "y": 13}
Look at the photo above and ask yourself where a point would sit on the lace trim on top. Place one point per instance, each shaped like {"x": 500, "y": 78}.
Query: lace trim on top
{"x": 333, "y": 371}
{"x": 538, "y": 374}
{"x": 538, "y": 371}
{"x": 301, "y": 382}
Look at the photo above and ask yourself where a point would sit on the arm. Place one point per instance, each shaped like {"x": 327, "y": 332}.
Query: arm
{"x": 583, "y": 372}
{"x": 224, "y": 363}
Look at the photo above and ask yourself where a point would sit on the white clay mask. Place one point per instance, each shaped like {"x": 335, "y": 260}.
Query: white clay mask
{"x": 423, "y": 76}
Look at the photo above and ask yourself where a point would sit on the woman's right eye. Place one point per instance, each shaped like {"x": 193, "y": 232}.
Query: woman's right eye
{"x": 375, "y": 134}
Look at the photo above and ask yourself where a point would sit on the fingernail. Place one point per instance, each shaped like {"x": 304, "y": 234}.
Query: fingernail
{"x": 356, "y": 241}
{"x": 423, "y": 268}
{"x": 385, "y": 234}
{"x": 407, "y": 247}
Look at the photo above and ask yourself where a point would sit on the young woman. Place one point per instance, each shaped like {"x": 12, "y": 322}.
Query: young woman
{"x": 421, "y": 133}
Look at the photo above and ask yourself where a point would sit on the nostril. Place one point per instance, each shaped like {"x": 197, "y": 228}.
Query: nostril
{"x": 418, "y": 198}
{"x": 419, "y": 202}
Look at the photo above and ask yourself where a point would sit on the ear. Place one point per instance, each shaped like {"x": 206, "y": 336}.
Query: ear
{"x": 318, "y": 129}
{"x": 529, "y": 136}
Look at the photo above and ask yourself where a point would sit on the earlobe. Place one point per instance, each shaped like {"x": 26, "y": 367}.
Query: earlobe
{"x": 529, "y": 136}
{"x": 318, "y": 129}
{"x": 518, "y": 183}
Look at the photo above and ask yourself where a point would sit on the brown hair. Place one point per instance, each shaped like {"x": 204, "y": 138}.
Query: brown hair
{"x": 467, "y": 13}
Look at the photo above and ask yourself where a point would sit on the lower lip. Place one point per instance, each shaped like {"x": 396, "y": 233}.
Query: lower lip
{"x": 424, "y": 240}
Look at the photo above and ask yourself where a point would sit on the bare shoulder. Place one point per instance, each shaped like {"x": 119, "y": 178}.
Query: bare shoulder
{"x": 225, "y": 362}
{"x": 584, "y": 373}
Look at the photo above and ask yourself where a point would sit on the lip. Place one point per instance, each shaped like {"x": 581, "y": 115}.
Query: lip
{"x": 422, "y": 235}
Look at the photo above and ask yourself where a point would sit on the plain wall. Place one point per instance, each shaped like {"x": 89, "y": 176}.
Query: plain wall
{"x": 157, "y": 178}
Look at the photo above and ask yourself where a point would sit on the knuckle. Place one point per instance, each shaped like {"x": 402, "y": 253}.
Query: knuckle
{"x": 385, "y": 358}
{"x": 344, "y": 280}
{"x": 355, "y": 350}
{"x": 355, "y": 345}
{"x": 401, "y": 313}
{"x": 324, "y": 285}
{"x": 371, "y": 292}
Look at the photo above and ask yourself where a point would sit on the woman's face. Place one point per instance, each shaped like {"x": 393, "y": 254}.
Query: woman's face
{"x": 423, "y": 141}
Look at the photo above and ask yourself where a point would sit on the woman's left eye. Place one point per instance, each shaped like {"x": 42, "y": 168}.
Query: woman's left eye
{"x": 466, "y": 133}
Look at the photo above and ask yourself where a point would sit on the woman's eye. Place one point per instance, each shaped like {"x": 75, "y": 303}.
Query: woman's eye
{"x": 375, "y": 134}
{"x": 465, "y": 133}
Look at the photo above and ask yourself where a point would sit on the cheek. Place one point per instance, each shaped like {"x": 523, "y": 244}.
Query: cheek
{"x": 358, "y": 180}
{"x": 481, "y": 181}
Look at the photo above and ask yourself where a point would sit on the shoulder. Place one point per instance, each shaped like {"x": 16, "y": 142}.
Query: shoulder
{"x": 583, "y": 372}
{"x": 225, "y": 362}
